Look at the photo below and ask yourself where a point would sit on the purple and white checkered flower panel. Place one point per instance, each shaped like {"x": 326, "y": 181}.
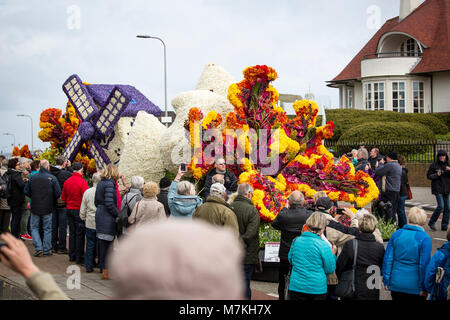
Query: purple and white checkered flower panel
{"x": 111, "y": 113}
{"x": 72, "y": 149}
{"x": 79, "y": 97}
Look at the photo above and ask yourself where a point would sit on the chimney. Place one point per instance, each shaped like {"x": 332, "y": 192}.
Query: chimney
{"x": 406, "y": 7}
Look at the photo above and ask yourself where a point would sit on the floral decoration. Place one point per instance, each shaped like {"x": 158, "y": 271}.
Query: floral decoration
{"x": 304, "y": 163}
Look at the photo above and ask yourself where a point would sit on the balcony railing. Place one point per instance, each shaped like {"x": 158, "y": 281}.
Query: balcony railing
{"x": 392, "y": 55}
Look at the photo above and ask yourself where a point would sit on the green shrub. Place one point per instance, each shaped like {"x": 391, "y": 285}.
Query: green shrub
{"x": 345, "y": 119}
{"x": 386, "y": 228}
{"x": 444, "y": 117}
{"x": 387, "y": 131}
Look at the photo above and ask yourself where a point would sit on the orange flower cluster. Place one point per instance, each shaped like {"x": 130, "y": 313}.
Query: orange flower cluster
{"x": 260, "y": 72}
{"x": 59, "y": 129}
{"x": 22, "y": 152}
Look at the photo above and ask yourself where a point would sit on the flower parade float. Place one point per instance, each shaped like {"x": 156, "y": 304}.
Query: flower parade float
{"x": 98, "y": 120}
{"x": 272, "y": 153}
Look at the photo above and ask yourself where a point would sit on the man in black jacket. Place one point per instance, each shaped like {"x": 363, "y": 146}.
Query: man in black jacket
{"x": 439, "y": 174}
{"x": 230, "y": 180}
{"x": 290, "y": 221}
{"x": 164, "y": 185}
{"x": 248, "y": 221}
{"x": 62, "y": 171}
{"x": 16, "y": 197}
{"x": 43, "y": 190}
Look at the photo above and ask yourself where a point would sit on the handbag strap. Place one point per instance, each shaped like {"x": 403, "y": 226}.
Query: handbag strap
{"x": 355, "y": 256}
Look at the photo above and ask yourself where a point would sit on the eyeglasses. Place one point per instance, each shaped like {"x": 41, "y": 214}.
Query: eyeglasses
{"x": 220, "y": 164}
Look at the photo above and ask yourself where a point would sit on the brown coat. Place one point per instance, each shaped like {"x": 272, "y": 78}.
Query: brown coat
{"x": 147, "y": 210}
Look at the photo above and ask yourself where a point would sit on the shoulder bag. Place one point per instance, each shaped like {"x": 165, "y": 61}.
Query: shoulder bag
{"x": 346, "y": 286}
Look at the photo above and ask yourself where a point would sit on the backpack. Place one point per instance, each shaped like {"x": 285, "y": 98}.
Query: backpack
{"x": 6, "y": 180}
{"x": 125, "y": 213}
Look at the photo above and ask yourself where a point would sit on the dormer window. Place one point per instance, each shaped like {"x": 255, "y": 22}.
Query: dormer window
{"x": 409, "y": 48}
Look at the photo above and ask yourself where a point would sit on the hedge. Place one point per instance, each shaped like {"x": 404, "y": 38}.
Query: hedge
{"x": 345, "y": 119}
{"x": 388, "y": 131}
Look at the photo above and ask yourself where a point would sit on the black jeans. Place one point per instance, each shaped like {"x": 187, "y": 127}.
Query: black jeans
{"x": 285, "y": 266}
{"x": 103, "y": 250}
{"x": 393, "y": 197}
{"x": 59, "y": 229}
{"x": 16, "y": 213}
{"x": 76, "y": 236}
{"x": 248, "y": 272}
{"x": 5, "y": 217}
{"x": 306, "y": 297}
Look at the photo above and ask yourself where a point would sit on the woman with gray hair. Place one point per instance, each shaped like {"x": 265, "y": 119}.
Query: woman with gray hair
{"x": 129, "y": 200}
{"x": 182, "y": 199}
{"x": 312, "y": 260}
{"x": 363, "y": 163}
{"x": 87, "y": 214}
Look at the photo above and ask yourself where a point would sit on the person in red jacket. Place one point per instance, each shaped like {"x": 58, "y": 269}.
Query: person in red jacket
{"x": 72, "y": 194}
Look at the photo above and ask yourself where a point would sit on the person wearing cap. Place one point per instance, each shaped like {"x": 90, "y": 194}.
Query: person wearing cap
{"x": 439, "y": 174}
{"x": 216, "y": 210}
{"x": 230, "y": 180}
{"x": 162, "y": 196}
{"x": 391, "y": 176}
{"x": 334, "y": 237}
{"x": 72, "y": 195}
{"x": 290, "y": 222}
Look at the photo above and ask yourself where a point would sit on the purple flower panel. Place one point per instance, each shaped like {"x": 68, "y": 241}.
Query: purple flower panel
{"x": 138, "y": 102}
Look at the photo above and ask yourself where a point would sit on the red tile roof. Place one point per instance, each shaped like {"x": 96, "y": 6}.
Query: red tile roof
{"x": 429, "y": 23}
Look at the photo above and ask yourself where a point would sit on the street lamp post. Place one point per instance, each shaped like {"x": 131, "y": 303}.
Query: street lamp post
{"x": 165, "y": 73}
{"x": 31, "y": 119}
{"x": 11, "y": 134}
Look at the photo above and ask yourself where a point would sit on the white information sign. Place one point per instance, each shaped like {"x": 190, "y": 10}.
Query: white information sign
{"x": 271, "y": 252}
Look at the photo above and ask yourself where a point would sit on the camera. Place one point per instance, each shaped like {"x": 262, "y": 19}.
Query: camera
{"x": 384, "y": 207}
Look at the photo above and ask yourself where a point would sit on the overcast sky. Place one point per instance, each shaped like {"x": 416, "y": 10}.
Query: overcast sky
{"x": 43, "y": 42}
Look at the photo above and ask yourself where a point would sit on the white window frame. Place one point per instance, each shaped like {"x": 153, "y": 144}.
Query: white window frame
{"x": 421, "y": 108}
{"x": 398, "y": 94}
{"x": 370, "y": 105}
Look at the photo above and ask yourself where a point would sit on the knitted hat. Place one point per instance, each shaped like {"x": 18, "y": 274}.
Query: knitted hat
{"x": 151, "y": 263}
{"x": 218, "y": 188}
{"x": 324, "y": 203}
{"x": 392, "y": 155}
{"x": 165, "y": 183}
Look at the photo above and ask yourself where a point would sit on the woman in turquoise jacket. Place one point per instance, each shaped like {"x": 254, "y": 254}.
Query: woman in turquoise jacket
{"x": 181, "y": 198}
{"x": 312, "y": 259}
{"x": 407, "y": 257}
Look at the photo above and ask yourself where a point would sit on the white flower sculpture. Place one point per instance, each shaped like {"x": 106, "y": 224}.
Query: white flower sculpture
{"x": 152, "y": 148}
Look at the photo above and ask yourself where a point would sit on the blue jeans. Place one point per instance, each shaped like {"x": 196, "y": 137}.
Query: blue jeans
{"x": 59, "y": 229}
{"x": 248, "y": 272}
{"x": 38, "y": 244}
{"x": 442, "y": 206}
{"x": 401, "y": 212}
{"x": 91, "y": 242}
